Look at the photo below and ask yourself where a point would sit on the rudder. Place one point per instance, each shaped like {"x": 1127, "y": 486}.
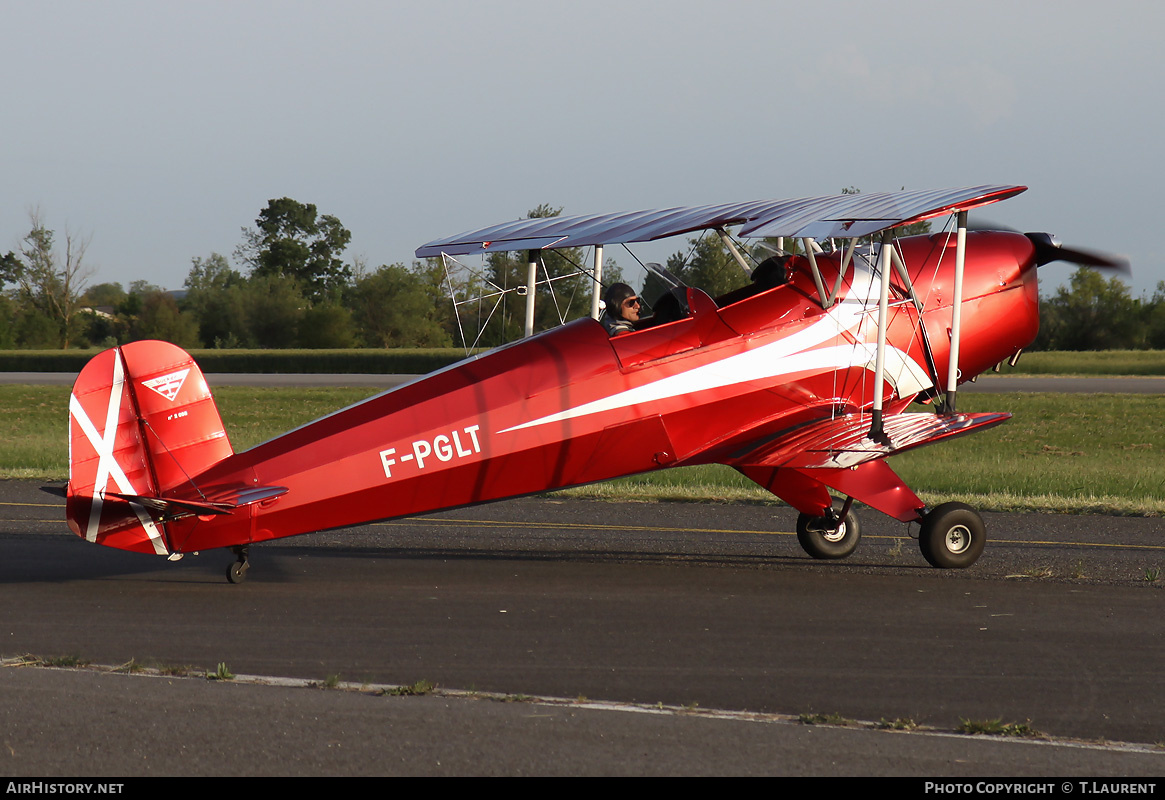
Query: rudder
{"x": 142, "y": 421}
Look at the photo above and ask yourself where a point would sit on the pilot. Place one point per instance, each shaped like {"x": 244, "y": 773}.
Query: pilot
{"x": 772, "y": 272}
{"x": 622, "y": 309}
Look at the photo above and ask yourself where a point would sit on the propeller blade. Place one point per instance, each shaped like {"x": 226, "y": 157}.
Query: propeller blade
{"x": 977, "y": 223}
{"x": 1049, "y": 250}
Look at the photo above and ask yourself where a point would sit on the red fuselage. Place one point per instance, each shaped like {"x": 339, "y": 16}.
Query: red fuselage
{"x": 571, "y": 406}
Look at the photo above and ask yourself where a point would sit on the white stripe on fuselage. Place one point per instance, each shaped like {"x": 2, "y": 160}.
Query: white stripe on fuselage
{"x": 792, "y": 354}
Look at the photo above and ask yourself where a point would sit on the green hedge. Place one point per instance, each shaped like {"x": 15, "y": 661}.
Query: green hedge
{"x": 360, "y": 362}
{"x": 1089, "y": 362}
{"x": 423, "y": 361}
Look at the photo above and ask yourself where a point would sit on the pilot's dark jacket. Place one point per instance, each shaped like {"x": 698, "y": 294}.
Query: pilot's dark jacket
{"x": 615, "y": 325}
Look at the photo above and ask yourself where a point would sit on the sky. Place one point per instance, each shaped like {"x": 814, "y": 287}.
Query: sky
{"x": 159, "y": 130}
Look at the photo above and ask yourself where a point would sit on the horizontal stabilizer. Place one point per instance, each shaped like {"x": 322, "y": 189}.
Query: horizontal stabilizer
{"x": 172, "y": 507}
{"x": 845, "y": 441}
{"x": 169, "y": 508}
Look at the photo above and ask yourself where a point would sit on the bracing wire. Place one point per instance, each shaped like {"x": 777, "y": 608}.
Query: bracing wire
{"x": 498, "y": 294}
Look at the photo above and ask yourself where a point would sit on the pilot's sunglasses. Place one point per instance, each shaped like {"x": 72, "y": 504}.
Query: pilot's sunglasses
{"x": 631, "y": 301}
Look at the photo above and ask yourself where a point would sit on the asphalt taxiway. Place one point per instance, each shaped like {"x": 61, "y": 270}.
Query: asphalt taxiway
{"x": 677, "y": 639}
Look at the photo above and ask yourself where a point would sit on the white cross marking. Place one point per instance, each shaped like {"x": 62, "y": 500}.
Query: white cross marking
{"x": 107, "y": 465}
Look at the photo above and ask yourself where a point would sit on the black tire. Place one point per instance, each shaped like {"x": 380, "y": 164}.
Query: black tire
{"x": 822, "y": 537}
{"x": 237, "y": 571}
{"x": 953, "y": 536}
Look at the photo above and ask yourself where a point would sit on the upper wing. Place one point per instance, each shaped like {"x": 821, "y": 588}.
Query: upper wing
{"x": 842, "y": 216}
{"x": 844, "y": 442}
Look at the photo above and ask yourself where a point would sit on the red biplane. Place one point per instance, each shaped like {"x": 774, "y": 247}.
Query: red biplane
{"x": 800, "y": 379}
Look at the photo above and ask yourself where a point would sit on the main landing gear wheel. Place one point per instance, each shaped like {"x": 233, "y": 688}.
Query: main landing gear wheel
{"x": 830, "y": 536}
{"x": 237, "y": 572}
{"x": 952, "y": 536}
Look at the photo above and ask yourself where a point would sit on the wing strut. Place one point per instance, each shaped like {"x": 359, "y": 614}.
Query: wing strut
{"x": 876, "y": 432}
{"x": 531, "y": 284}
{"x": 956, "y": 314}
{"x": 846, "y": 260}
{"x": 727, "y": 240}
{"x": 810, "y": 253}
{"x": 597, "y": 275}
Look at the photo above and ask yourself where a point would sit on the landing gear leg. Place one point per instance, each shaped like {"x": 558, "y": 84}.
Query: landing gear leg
{"x": 952, "y": 536}
{"x": 833, "y": 536}
{"x": 237, "y": 572}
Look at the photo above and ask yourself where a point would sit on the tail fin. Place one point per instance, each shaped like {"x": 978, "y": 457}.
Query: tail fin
{"x": 142, "y": 421}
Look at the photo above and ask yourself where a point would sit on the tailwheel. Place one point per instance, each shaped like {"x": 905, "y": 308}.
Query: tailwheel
{"x": 953, "y": 536}
{"x": 832, "y": 536}
{"x": 237, "y": 572}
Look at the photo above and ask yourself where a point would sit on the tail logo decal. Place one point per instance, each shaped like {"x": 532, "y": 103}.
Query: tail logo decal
{"x": 168, "y": 385}
{"x": 107, "y": 466}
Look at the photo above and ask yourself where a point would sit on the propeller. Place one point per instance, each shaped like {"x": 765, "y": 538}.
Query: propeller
{"x": 977, "y": 223}
{"x": 1049, "y": 249}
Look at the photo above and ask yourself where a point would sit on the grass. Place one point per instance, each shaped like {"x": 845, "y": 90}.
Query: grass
{"x": 419, "y": 688}
{"x": 33, "y": 431}
{"x": 221, "y": 673}
{"x": 34, "y": 421}
{"x": 253, "y": 415}
{"x": 997, "y": 727}
{"x": 1103, "y": 362}
{"x": 70, "y": 661}
{"x": 1074, "y": 453}
{"x": 1098, "y": 452}
{"x": 1034, "y": 572}
{"x": 824, "y": 719}
{"x": 969, "y": 727}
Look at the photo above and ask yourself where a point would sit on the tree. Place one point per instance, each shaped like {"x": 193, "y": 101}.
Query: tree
{"x": 103, "y": 294}
{"x": 11, "y": 268}
{"x": 431, "y": 275}
{"x": 563, "y": 293}
{"x": 210, "y": 274}
{"x": 1155, "y": 319}
{"x": 397, "y": 307}
{"x": 1091, "y": 313}
{"x": 327, "y": 325}
{"x": 215, "y": 296}
{"x": 51, "y": 284}
{"x": 292, "y": 240}
{"x": 273, "y": 307}
{"x": 8, "y": 314}
{"x": 99, "y": 310}
{"x": 160, "y": 318}
{"x": 708, "y": 265}
{"x": 35, "y": 331}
